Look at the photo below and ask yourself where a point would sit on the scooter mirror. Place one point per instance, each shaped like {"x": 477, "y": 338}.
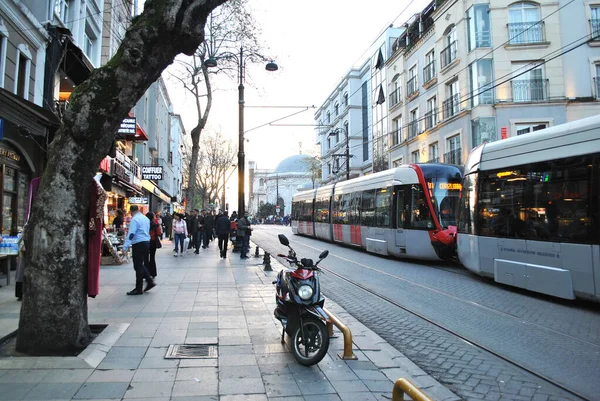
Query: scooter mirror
{"x": 323, "y": 254}
{"x": 283, "y": 240}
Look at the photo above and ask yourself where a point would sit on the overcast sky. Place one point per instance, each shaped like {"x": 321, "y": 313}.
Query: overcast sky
{"x": 315, "y": 43}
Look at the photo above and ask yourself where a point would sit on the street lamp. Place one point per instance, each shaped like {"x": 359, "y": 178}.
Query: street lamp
{"x": 347, "y": 154}
{"x": 270, "y": 66}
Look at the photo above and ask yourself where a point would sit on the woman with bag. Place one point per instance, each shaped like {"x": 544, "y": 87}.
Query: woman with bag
{"x": 180, "y": 232}
{"x": 155, "y": 233}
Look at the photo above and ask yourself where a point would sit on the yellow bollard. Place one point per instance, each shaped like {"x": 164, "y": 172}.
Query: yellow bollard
{"x": 348, "y": 354}
{"x": 403, "y": 386}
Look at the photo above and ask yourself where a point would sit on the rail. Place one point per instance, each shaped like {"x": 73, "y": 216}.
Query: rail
{"x": 333, "y": 320}
{"x": 403, "y": 386}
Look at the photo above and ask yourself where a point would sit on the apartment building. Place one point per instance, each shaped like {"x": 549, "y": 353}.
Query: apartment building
{"x": 470, "y": 72}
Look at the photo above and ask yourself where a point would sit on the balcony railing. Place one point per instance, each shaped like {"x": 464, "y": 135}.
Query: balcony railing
{"x": 434, "y": 160}
{"x": 449, "y": 54}
{"x": 597, "y": 87}
{"x": 525, "y": 33}
{"x": 396, "y": 136}
{"x": 411, "y": 86}
{"x": 451, "y": 106}
{"x": 482, "y": 39}
{"x": 429, "y": 72}
{"x": 595, "y": 28}
{"x": 453, "y": 157}
{"x": 529, "y": 90}
{"x": 413, "y": 129}
{"x": 395, "y": 97}
{"x": 430, "y": 119}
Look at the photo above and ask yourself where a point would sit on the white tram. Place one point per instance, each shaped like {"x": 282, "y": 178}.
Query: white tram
{"x": 409, "y": 211}
{"x": 530, "y": 211}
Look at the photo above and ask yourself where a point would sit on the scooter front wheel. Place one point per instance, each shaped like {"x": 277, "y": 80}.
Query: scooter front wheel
{"x": 310, "y": 341}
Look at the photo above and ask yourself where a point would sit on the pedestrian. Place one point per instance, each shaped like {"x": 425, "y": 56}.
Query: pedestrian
{"x": 138, "y": 238}
{"x": 167, "y": 224}
{"x": 243, "y": 230}
{"x": 118, "y": 223}
{"x": 180, "y": 232}
{"x": 155, "y": 234}
{"x": 198, "y": 239}
{"x": 192, "y": 225}
{"x": 158, "y": 218}
{"x": 223, "y": 229}
{"x": 209, "y": 223}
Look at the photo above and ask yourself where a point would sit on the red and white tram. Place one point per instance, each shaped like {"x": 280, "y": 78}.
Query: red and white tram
{"x": 408, "y": 211}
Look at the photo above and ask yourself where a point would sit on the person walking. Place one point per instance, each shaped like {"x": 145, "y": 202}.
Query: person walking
{"x": 158, "y": 219}
{"x": 138, "y": 238}
{"x": 192, "y": 226}
{"x": 180, "y": 232}
{"x": 244, "y": 229}
{"x": 209, "y": 227}
{"x": 167, "y": 223}
{"x": 155, "y": 234}
{"x": 118, "y": 223}
{"x": 223, "y": 229}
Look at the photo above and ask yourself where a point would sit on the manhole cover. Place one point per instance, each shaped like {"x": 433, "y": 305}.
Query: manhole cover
{"x": 191, "y": 351}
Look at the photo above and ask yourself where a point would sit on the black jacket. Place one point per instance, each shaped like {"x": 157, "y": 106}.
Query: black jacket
{"x": 209, "y": 222}
{"x": 192, "y": 225}
{"x": 223, "y": 226}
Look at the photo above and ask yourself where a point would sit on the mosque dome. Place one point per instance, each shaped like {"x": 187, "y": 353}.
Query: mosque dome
{"x": 294, "y": 164}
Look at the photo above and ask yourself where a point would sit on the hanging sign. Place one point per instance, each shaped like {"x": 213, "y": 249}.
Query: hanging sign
{"x": 152, "y": 173}
{"x": 128, "y": 126}
{"x": 138, "y": 200}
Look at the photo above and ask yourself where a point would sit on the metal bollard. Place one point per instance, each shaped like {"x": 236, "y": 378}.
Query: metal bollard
{"x": 256, "y": 252}
{"x": 267, "y": 262}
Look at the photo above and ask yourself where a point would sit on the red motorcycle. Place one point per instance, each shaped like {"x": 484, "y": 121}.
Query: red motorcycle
{"x": 300, "y": 307}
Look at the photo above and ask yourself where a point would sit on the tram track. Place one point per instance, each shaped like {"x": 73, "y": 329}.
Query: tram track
{"x": 470, "y": 341}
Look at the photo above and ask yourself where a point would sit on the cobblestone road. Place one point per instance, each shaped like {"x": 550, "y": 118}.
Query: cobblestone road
{"x": 548, "y": 334}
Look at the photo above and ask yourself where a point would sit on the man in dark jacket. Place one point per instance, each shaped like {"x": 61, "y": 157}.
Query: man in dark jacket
{"x": 209, "y": 225}
{"x": 243, "y": 230}
{"x": 223, "y": 228}
{"x": 192, "y": 226}
{"x": 201, "y": 230}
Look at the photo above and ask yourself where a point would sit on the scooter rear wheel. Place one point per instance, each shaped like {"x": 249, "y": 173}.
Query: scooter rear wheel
{"x": 311, "y": 350}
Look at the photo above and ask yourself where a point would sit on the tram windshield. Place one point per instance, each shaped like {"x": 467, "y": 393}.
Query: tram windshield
{"x": 445, "y": 185}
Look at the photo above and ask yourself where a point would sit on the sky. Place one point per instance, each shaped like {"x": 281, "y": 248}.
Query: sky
{"x": 314, "y": 43}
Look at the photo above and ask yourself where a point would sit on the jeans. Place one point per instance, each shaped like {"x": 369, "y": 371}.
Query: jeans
{"x": 245, "y": 246}
{"x": 179, "y": 240}
{"x": 140, "y": 252}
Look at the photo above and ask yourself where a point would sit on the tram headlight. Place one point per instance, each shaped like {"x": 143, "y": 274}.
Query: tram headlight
{"x": 305, "y": 292}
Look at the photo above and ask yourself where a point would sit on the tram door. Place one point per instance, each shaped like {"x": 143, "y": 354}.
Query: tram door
{"x": 400, "y": 217}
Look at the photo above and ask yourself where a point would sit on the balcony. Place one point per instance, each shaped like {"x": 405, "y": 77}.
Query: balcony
{"x": 451, "y": 106}
{"x": 396, "y": 136}
{"x": 453, "y": 157}
{"x": 395, "y": 97}
{"x": 483, "y": 38}
{"x": 430, "y": 119}
{"x": 429, "y": 72}
{"x": 412, "y": 86}
{"x": 526, "y": 33}
{"x": 449, "y": 54}
{"x": 529, "y": 90}
{"x": 595, "y": 28}
{"x": 413, "y": 129}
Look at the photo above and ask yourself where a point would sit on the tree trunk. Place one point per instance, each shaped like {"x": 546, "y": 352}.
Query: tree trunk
{"x": 54, "y": 311}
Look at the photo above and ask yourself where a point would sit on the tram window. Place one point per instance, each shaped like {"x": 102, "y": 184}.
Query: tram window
{"x": 345, "y": 208}
{"x": 355, "y": 208}
{"x": 546, "y": 201}
{"x": 383, "y": 207}
{"x": 336, "y": 212}
{"x": 466, "y": 210}
{"x": 322, "y": 210}
{"x": 401, "y": 209}
{"x": 367, "y": 217}
{"x": 420, "y": 215}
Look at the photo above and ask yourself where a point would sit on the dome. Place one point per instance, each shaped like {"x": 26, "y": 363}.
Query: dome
{"x": 294, "y": 164}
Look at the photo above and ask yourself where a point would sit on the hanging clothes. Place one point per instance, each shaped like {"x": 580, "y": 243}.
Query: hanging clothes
{"x": 95, "y": 227}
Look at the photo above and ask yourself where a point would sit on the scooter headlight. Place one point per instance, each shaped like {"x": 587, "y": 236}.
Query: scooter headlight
{"x": 305, "y": 292}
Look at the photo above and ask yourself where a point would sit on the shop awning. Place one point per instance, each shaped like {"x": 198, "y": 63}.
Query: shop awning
{"x": 26, "y": 114}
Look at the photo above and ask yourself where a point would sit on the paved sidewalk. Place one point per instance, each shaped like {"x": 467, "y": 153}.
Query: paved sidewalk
{"x": 202, "y": 299}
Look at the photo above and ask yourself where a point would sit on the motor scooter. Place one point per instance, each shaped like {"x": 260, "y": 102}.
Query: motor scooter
{"x": 300, "y": 307}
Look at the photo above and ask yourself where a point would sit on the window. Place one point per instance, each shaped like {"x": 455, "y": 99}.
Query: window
{"x": 345, "y": 99}
{"x": 480, "y": 74}
{"x": 412, "y": 84}
{"x": 433, "y": 153}
{"x": 322, "y": 210}
{"x": 431, "y": 115}
{"x": 483, "y": 130}
{"x": 3, "y": 46}
{"x": 23, "y": 72}
{"x": 420, "y": 215}
{"x": 367, "y": 210}
{"x": 328, "y": 144}
{"x": 415, "y": 156}
{"x": 328, "y": 168}
{"x": 397, "y": 163}
{"x": 337, "y": 136}
{"x": 397, "y": 132}
{"x": 354, "y": 211}
{"x": 597, "y": 81}
{"x": 450, "y": 51}
{"x": 545, "y": 201}
{"x": 478, "y": 26}
{"x": 328, "y": 117}
{"x": 337, "y": 109}
{"x": 61, "y": 9}
{"x": 454, "y": 154}
{"x": 529, "y": 87}
{"x": 524, "y": 26}
{"x": 395, "y": 91}
{"x": 429, "y": 69}
{"x": 529, "y": 127}
{"x": 413, "y": 125}
{"x": 383, "y": 203}
{"x": 452, "y": 103}
{"x": 595, "y": 22}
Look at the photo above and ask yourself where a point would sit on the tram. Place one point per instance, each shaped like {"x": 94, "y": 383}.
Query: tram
{"x": 530, "y": 211}
{"x": 408, "y": 211}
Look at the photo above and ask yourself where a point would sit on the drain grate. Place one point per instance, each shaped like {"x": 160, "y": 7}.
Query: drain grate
{"x": 192, "y": 351}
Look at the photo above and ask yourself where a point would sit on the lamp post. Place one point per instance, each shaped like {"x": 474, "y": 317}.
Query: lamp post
{"x": 347, "y": 153}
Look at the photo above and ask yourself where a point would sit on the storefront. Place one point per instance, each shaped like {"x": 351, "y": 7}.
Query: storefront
{"x": 159, "y": 200}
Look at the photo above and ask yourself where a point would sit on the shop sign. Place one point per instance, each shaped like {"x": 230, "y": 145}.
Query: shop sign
{"x": 105, "y": 165}
{"x": 9, "y": 154}
{"x": 152, "y": 173}
{"x": 121, "y": 172}
{"x": 504, "y": 132}
{"x": 128, "y": 126}
{"x": 138, "y": 200}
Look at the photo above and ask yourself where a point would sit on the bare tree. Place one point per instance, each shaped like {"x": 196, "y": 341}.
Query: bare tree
{"x": 314, "y": 170}
{"x": 54, "y": 315}
{"x": 228, "y": 27}
{"x": 217, "y": 157}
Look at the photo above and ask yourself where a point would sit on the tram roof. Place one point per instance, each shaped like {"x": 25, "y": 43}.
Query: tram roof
{"x": 404, "y": 174}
